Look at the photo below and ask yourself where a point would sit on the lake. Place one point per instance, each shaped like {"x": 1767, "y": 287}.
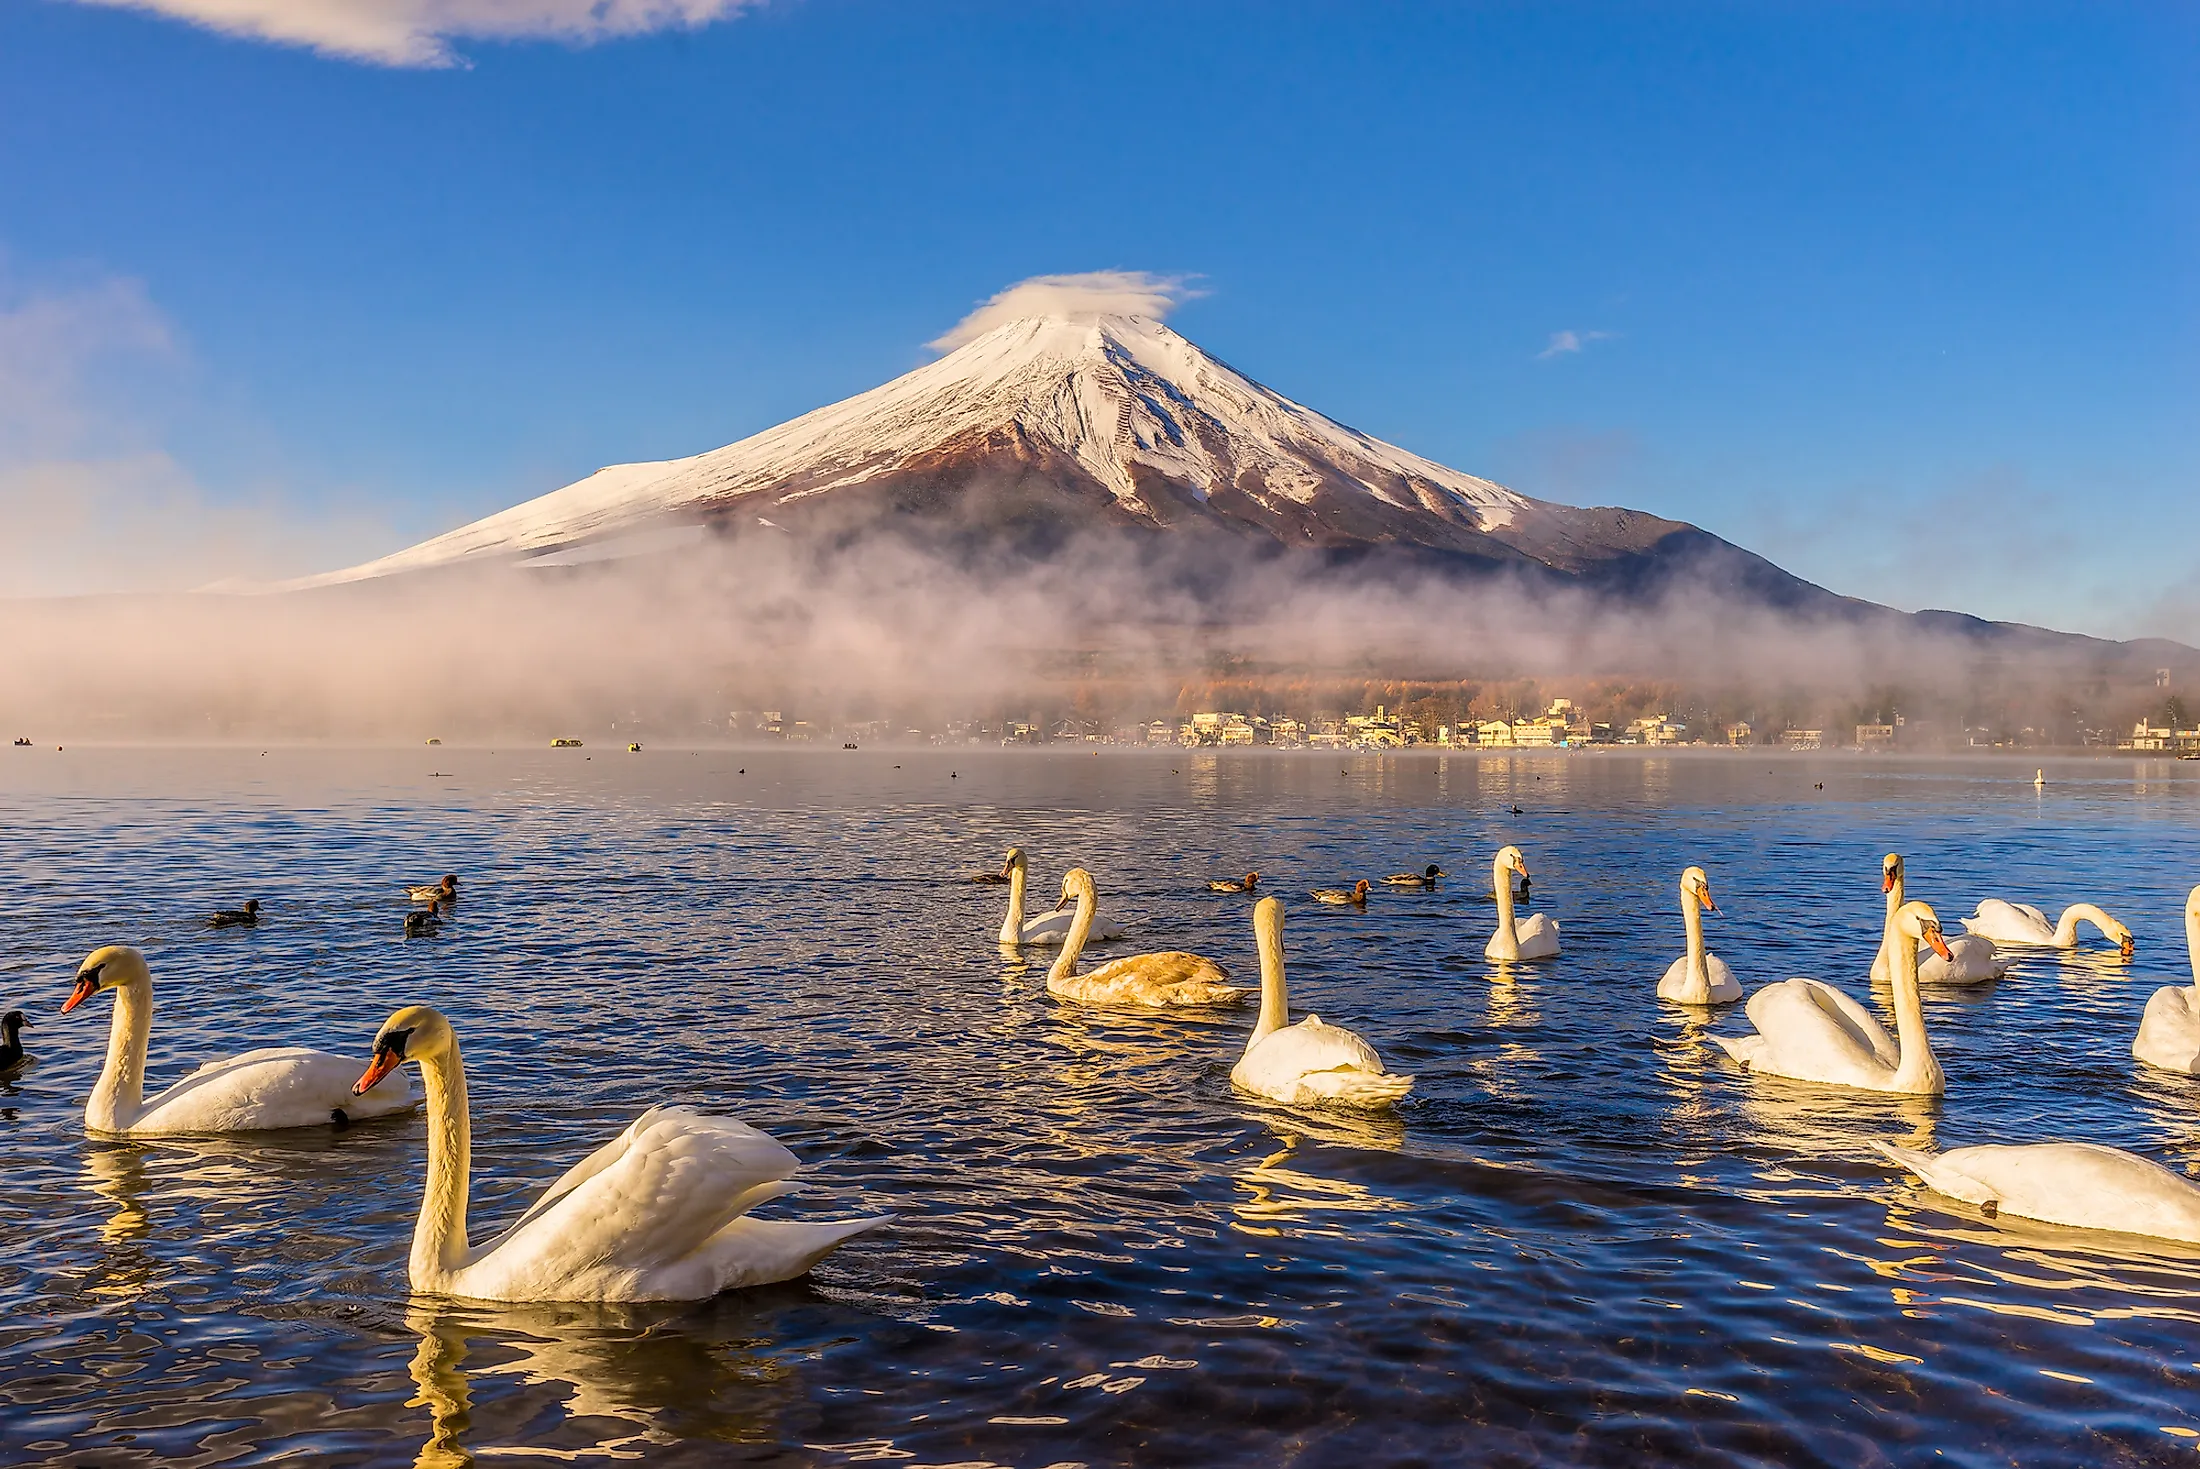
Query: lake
{"x": 1587, "y": 1237}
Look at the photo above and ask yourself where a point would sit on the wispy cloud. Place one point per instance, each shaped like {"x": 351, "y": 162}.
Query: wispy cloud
{"x": 1089, "y": 293}
{"x": 1566, "y": 343}
{"x": 420, "y": 32}
{"x": 92, "y": 375}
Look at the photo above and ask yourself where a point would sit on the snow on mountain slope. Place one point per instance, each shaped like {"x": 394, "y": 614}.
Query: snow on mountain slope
{"x": 1122, "y": 398}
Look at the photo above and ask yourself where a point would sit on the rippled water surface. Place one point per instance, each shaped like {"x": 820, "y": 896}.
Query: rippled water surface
{"x": 1586, "y": 1238}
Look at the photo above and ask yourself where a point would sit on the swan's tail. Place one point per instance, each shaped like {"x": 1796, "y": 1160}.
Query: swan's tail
{"x": 1356, "y": 1088}
{"x": 1936, "y": 1175}
{"x": 765, "y": 1251}
{"x": 1743, "y": 1048}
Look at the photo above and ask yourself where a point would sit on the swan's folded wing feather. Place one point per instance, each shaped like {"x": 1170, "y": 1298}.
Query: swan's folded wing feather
{"x": 1167, "y": 978}
{"x": 2084, "y": 1185}
{"x": 1813, "y": 1029}
{"x": 1312, "y": 1045}
{"x": 2169, "y": 1031}
{"x": 1973, "y": 959}
{"x": 273, "y": 1087}
{"x": 670, "y": 1182}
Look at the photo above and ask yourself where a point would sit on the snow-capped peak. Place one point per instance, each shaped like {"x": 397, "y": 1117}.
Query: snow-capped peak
{"x": 1122, "y": 397}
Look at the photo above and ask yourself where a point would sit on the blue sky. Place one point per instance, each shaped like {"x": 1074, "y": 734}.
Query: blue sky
{"x": 1903, "y": 296}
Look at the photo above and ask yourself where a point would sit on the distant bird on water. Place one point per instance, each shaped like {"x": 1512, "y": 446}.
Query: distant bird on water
{"x": 244, "y": 917}
{"x": 1243, "y": 884}
{"x": 1425, "y": 879}
{"x": 1355, "y": 896}
{"x": 445, "y": 891}
{"x": 12, "y": 1054}
{"x": 424, "y": 922}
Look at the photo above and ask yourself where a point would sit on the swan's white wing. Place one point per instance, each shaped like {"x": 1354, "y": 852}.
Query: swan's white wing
{"x": 275, "y": 1087}
{"x": 654, "y": 1196}
{"x": 2169, "y": 1033}
{"x": 1679, "y": 985}
{"x": 1538, "y": 935}
{"x": 1858, "y": 1021}
{"x": 1313, "y": 1062}
{"x": 2083, "y": 1185}
{"x": 1310, "y": 1045}
{"x": 1813, "y": 1032}
{"x": 1972, "y": 959}
{"x": 1049, "y": 929}
{"x": 2010, "y": 923}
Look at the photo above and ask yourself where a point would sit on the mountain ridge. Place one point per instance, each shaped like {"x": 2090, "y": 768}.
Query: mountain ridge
{"x": 1048, "y": 431}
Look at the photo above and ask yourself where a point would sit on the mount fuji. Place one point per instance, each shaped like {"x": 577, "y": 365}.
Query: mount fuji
{"x": 1052, "y": 427}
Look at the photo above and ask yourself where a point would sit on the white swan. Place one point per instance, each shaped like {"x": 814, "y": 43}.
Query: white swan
{"x": 659, "y": 1213}
{"x": 1050, "y": 927}
{"x": 1163, "y": 981}
{"x": 1309, "y": 1064}
{"x": 1810, "y": 1031}
{"x": 282, "y": 1086}
{"x": 1533, "y": 937}
{"x": 2021, "y": 923}
{"x": 1972, "y": 957}
{"x": 1697, "y": 977}
{"x": 2084, "y": 1185}
{"x": 2169, "y": 1033}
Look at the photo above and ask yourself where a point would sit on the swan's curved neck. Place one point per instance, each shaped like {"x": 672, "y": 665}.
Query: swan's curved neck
{"x": 2192, "y": 944}
{"x": 439, "y": 1238}
{"x": 119, "y": 1096}
{"x": 1012, "y": 927}
{"x": 1065, "y": 963}
{"x": 1917, "y": 1069}
{"x": 1883, "y": 962}
{"x": 1699, "y": 973}
{"x": 2066, "y": 928}
{"x": 1275, "y": 1005}
{"x": 1508, "y": 937}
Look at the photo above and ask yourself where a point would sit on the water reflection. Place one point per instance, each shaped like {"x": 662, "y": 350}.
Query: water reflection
{"x": 1836, "y": 1122}
{"x": 1276, "y": 1195}
{"x": 1082, "y": 1194}
{"x": 620, "y": 1378}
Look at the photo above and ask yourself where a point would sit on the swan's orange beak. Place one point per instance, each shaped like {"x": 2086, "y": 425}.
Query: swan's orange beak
{"x": 2128, "y": 946}
{"x": 1886, "y": 883}
{"x": 385, "y": 1061}
{"x": 1940, "y": 945}
{"x": 1708, "y": 905}
{"x": 87, "y": 985}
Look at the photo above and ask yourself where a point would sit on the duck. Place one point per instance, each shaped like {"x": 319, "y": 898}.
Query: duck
{"x": 1698, "y": 977}
{"x": 1163, "y": 981}
{"x": 1312, "y": 1063}
{"x": 986, "y": 879}
{"x": 1533, "y": 937}
{"x": 245, "y": 917}
{"x": 1354, "y": 896}
{"x": 1042, "y": 929}
{"x": 1809, "y": 1031}
{"x": 424, "y": 922}
{"x": 2081, "y": 1185}
{"x": 259, "y": 1091}
{"x": 659, "y": 1213}
{"x": 1972, "y": 958}
{"x": 1423, "y": 879}
{"x": 12, "y": 1054}
{"x": 2169, "y": 1032}
{"x": 445, "y": 891}
{"x": 2023, "y": 924}
{"x": 1244, "y": 884}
